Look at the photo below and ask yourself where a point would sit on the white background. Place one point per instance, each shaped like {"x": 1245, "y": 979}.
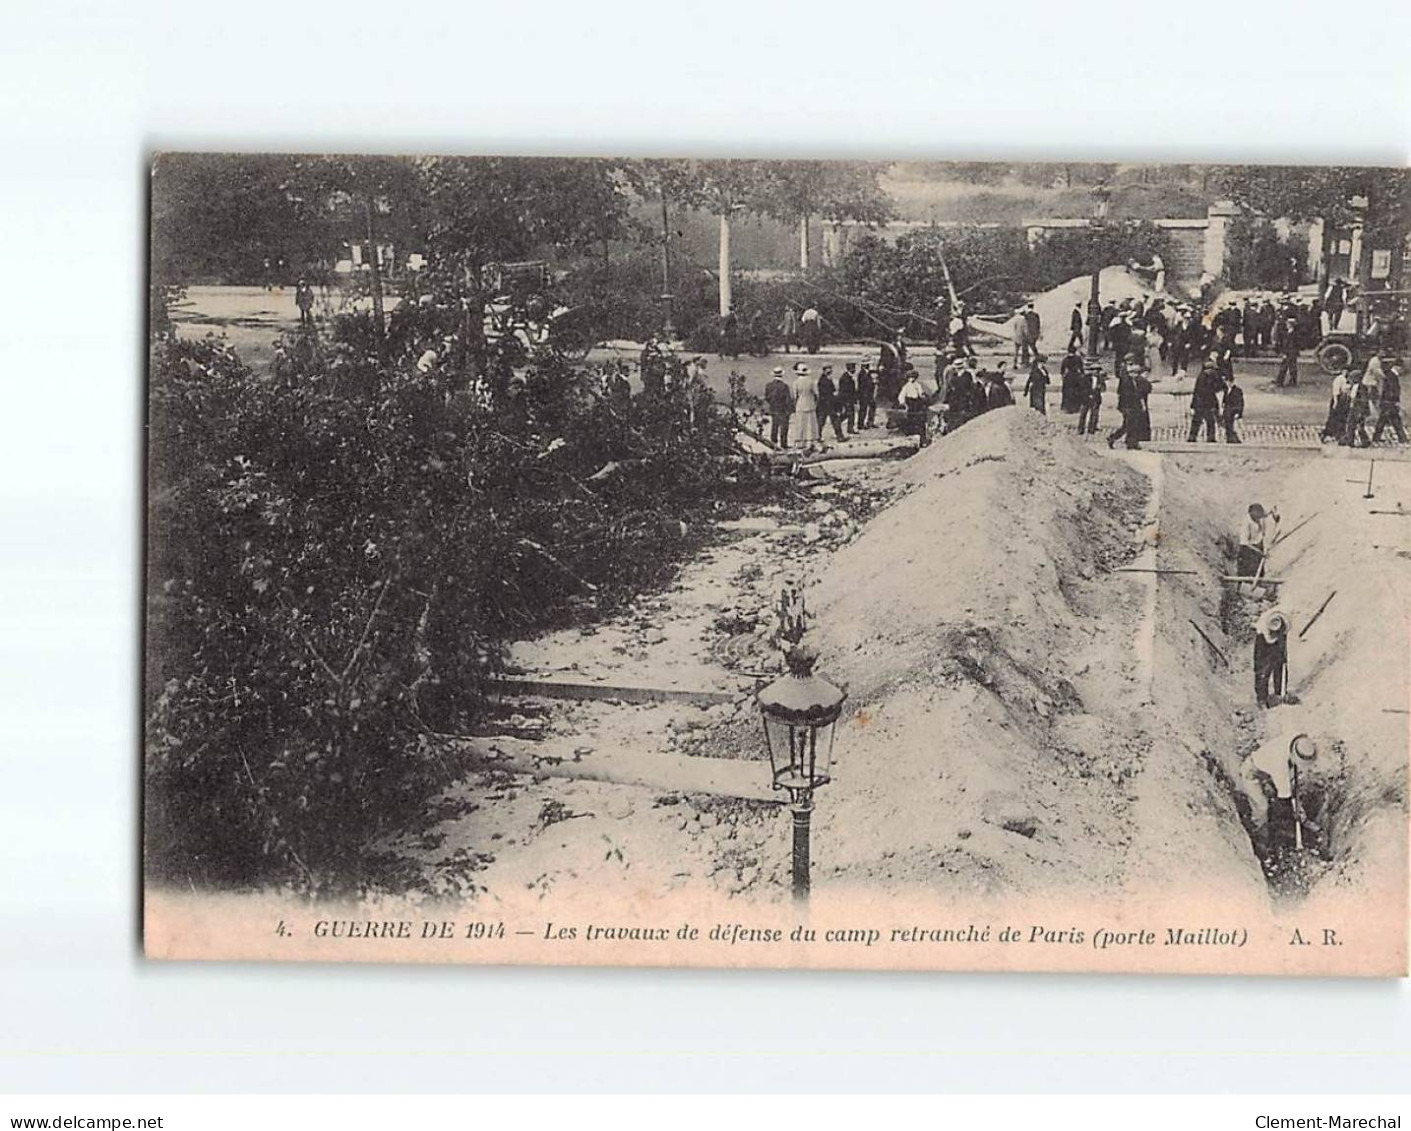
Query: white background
{"x": 88, "y": 89}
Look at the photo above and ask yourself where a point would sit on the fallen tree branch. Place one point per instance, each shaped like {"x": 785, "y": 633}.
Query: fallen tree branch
{"x": 530, "y": 544}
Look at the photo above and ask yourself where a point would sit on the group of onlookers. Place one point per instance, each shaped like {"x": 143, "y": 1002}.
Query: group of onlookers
{"x": 802, "y": 407}
{"x": 1372, "y": 396}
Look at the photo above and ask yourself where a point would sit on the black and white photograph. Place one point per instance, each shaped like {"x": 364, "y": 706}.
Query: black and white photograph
{"x": 777, "y": 562}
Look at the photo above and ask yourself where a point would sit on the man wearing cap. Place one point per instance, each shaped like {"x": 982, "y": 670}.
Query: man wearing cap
{"x": 304, "y": 300}
{"x": 1094, "y": 384}
{"x": 789, "y": 327}
{"x": 1205, "y": 403}
{"x": 780, "y": 399}
{"x": 1389, "y": 407}
{"x": 1034, "y": 325}
{"x": 954, "y": 395}
{"x": 1181, "y": 340}
{"x": 998, "y": 394}
{"x": 1257, "y": 534}
{"x": 828, "y": 404}
{"x": 1120, "y": 335}
{"x": 866, "y": 397}
{"x": 1271, "y": 656}
{"x": 1130, "y": 406}
{"x": 847, "y": 397}
{"x": 1280, "y": 760}
{"x": 1232, "y": 410}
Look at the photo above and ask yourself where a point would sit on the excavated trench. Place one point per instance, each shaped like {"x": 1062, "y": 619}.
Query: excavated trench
{"x": 1347, "y": 653}
{"x": 1024, "y": 719}
{"x": 1035, "y": 720}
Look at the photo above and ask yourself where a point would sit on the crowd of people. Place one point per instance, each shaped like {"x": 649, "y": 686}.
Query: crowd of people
{"x": 1365, "y": 397}
{"x": 802, "y": 406}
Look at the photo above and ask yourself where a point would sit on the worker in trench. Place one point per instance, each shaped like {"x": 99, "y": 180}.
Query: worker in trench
{"x": 1271, "y": 657}
{"x": 1257, "y": 534}
{"x": 1283, "y": 780}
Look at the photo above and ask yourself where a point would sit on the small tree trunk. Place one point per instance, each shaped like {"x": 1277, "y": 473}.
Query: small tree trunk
{"x": 803, "y": 242}
{"x": 726, "y": 298}
{"x": 376, "y": 267}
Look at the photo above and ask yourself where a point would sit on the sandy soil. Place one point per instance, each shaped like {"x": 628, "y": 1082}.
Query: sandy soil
{"x": 1021, "y": 719}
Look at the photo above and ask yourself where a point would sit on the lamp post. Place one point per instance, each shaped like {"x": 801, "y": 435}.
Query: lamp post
{"x": 1101, "y": 195}
{"x": 800, "y": 711}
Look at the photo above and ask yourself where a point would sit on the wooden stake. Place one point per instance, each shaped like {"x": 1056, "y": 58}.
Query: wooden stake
{"x": 1371, "y": 467}
{"x": 1239, "y": 579}
{"x": 1294, "y": 530}
{"x": 1297, "y": 815}
{"x": 1214, "y": 647}
{"x": 1314, "y": 619}
{"x": 1152, "y": 569}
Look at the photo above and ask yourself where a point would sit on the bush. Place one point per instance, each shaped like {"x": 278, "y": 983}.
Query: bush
{"x": 1256, "y": 257}
{"x": 337, "y": 556}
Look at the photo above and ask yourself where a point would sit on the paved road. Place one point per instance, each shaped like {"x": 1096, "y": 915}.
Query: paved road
{"x": 251, "y": 317}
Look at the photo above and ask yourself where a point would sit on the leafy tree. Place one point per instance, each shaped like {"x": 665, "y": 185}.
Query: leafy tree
{"x": 338, "y": 553}
{"x": 231, "y": 218}
{"x": 1257, "y": 257}
{"x": 1307, "y": 192}
{"x": 835, "y": 190}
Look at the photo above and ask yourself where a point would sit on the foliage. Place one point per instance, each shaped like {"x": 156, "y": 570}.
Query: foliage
{"x": 337, "y": 555}
{"x": 1256, "y": 256}
{"x": 897, "y": 284}
{"x": 831, "y": 189}
{"x": 1306, "y": 192}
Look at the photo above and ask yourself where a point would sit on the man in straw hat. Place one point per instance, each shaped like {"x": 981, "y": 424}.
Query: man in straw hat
{"x": 780, "y": 399}
{"x": 1280, "y": 760}
{"x": 1271, "y": 656}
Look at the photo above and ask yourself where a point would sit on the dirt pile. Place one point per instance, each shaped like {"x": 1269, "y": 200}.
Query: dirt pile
{"x": 996, "y": 695}
{"x": 1003, "y": 520}
{"x": 1055, "y": 307}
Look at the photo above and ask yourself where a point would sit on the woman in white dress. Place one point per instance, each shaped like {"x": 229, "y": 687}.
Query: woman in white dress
{"x": 803, "y": 428}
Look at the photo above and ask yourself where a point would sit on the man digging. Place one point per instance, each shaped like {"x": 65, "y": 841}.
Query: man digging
{"x": 1271, "y": 657}
{"x": 1257, "y": 534}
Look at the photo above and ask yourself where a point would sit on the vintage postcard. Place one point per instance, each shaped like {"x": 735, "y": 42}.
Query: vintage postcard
{"x": 802, "y": 564}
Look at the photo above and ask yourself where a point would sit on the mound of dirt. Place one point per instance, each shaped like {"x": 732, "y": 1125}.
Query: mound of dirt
{"x": 1055, "y": 307}
{"x": 995, "y": 728}
{"x": 1003, "y": 519}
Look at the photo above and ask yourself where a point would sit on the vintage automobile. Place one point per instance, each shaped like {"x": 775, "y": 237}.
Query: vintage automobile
{"x": 1383, "y": 328}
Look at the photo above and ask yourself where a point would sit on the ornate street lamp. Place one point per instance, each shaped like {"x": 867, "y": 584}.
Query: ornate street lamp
{"x": 1101, "y": 195}
{"x": 800, "y": 711}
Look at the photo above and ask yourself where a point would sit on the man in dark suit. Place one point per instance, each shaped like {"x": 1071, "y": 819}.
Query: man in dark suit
{"x": 1205, "y": 403}
{"x": 1232, "y": 410}
{"x": 866, "y": 397}
{"x": 847, "y": 397}
{"x": 1031, "y": 317}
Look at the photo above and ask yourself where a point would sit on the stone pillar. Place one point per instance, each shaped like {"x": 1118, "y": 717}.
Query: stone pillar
{"x": 1317, "y": 266}
{"x": 1219, "y": 216}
